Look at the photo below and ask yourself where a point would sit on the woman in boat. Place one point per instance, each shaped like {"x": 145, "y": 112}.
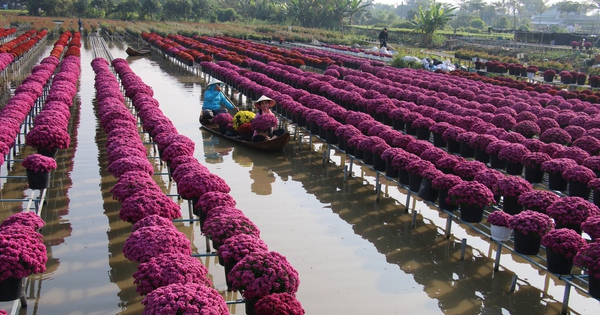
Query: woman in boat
{"x": 263, "y": 106}
{"x": 214, "y": 99}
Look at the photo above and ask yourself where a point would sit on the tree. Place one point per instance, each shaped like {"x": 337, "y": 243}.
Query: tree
{"x": 502, "y": 23}
{"x": 127, "y": 10}
{"x": 150, "y": 8}
{"x": 569, "y": 6}
{"x": 428, "y": 21}
{"x": 200, "y": 9}
{"x": 355, "y": 7}
{"x": 477, "y": 23}
{"x": 461, "y": 19}
{"x": 177, "y": 9}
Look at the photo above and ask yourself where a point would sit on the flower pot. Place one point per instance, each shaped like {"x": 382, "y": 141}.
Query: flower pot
{"x": 403, "y": 177}
{"x": 510, "y": 205}
{"x": 314, "y": 128}
{"x": 323, "y": 134}
{"x": 471, "y": 214}
{"x": 423, "y": 134}
{"x": 301, "y": 121}
{"x": 534, "y": 174}
{"x": 331, "y": 138}
{"x": 378, "y": 163}
{"x": 216, "y": 245}
{"x": 250, "y": 305}
{"x": 398, "y": 124}
{"x": 38, "y": 180}
{"x": 581, "y": 81}
{"x": 426, "y": 192}
{"x": 579, "y": 189}
{"x": 414, "y": 182}
{"x": 48, "y": 152}
{"x": 410, "y": 130}
{"x": 558, "y": 263}
{"x": 530, "y": 75}
{"x": 481, "y": 156}
{"x": 220, "y": 259}
{"x": 596, "y": 197}
{"x": 349, "y": 150}
{"x": 453, "y": 146}
{"x": 565, "y": 80}
{"x": 228, "y": 266}
{"x": 359, "y": 154}
{"x": 514, "y": 168}
{"x": 500, "y": 233}
{"x": 368, "y": 157}
{"x": 466, "y": 151}
{"x": 438, "y": 141}
{"x": 341, "y": 144}
{"x": 444, "y": 205}
{"x": 594, "y": 83}
{"x": 196, "y": 210}
{"x": 548, "y": 78}
{"x": 390, "y": 171}
{"x": 11, "y": 289}
{"x": 556, "y": 182}
{"x": 496, "y": 162}
{"x": 594, "y": 286}
{"x": 527, "y": 244}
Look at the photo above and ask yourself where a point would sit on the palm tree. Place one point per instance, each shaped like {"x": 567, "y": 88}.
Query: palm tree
{"x": 355, "y": 7}
{"x": 427, "y": 22}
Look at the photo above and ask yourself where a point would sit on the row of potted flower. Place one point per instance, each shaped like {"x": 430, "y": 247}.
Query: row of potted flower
{"x": 51, "y": 126}
{"x": 194, "y": 182}
{"x": 26, "y": 96}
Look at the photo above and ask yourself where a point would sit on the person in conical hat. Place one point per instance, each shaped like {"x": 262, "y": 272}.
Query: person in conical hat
{"x": 213, "y": 101}
{"x": 264, "y": 104}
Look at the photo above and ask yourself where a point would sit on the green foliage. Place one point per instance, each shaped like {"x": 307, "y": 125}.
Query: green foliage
{"x": 227, "y": 15}
{"x": 402, "y": 24}
{"x": 477, "y": 23}
{"x": 502, "y": 23}
{"x": 397, "y": 62}
{"x": 431, "y": 20}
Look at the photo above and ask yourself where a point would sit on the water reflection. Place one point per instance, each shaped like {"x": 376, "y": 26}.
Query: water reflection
{"x": 214, "y": 148}
{"x": 460, "y": 287}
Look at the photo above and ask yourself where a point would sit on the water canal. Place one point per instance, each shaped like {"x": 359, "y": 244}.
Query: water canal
{"x": 355, "y": 255}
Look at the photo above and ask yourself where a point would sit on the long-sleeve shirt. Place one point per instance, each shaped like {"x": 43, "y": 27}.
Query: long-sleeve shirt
{"x": 213, "y": 99}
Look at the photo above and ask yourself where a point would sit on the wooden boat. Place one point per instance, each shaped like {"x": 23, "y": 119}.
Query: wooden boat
{"x": 270, "y": 145}
{"x": 138, "y": 52}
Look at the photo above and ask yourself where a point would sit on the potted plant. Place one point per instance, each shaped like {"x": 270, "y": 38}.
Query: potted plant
{"x": 278, "y": 303}
{"x": 527, "y": 128}
{"x": 28, "y": 219}
{"x": 169, "y": 268}
{"x": 549, "y": 75}
{"x": 220, "y": 228}
{"x": 185, "y": 298}
{"x": 499, "y": 225}
{"x": 570, "y": 212}
{"x": 537, "y": 200}
{"x": 591, "y": 226}
{"x": 479, "y": 143}
{"x": 468, "y": 169}
{"x": 478, "y": 64}
{"x": 578, "y": 177}
{"x": 531, "y": 71}
{"x": 588, "y": 258}
{"x": 443, "y": 183}
{"x": 587, "y": 45}
{"x": 147, "y": 202}
{"x": 533, "y": 166}
{"x": 512, "y": 155}
{"x": 555, "y": 168}
{"x": 529, "y": 227}
{"x": 132, "y": 182}
{"x": 237, "y": 247}
{"x": 263, "y": 273}
{"x": 151, "y": 241}
{"x": 38, "y": 169}
{"x": 574, "y": 44}
{"x": 471, "y": 197}
{"x": 561, "y": 247}
{"x": 511, "y": 187}
{"x": 493, "y": 149}
{"x": 192, "y": 186}
{"x": 211, "y": 200}
{"x": 48, "y": 139}
{"x": 131, "y": 163}
{"x": 22, "y": 253}
{"x": 565, "y": 77}
{"x": 581, "y": 77}
{"x": 556, "y": 135}
{"x": 594, "y": 81}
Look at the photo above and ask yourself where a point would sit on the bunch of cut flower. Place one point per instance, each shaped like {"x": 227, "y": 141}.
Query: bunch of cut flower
{"x": 263, "y": 122}
{"x": 242, "y": 117}
{"x": 223, "y": 119}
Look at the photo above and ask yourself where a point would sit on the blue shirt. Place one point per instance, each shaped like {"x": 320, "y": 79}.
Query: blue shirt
{"x": 213, "y": 99}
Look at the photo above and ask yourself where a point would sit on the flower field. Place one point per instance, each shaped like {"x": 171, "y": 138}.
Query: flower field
{"x": 392, "y": 116}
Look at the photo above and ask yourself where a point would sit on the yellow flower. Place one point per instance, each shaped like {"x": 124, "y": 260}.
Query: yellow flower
{"x": 241, "y": 117}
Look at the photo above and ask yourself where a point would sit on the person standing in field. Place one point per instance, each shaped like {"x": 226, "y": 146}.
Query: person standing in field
{"x": 383, "y": 38}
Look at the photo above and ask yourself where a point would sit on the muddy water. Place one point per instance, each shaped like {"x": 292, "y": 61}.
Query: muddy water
{"x": 354, "y": 254}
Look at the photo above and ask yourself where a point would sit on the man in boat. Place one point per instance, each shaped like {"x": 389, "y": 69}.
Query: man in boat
{"x": 214, "y": 99}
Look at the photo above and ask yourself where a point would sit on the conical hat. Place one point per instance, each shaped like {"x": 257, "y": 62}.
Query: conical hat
{"x": 213, "y": 81}
{"x": 265, "y": 98}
